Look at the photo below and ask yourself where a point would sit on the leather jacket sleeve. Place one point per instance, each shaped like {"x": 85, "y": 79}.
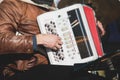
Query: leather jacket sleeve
{"x": 14, "y": 17}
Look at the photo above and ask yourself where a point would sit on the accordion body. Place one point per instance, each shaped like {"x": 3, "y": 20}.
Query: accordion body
{"x": 76, "y": 26}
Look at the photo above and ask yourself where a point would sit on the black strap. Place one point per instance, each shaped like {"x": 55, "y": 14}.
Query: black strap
{"x": 48, "y": 2}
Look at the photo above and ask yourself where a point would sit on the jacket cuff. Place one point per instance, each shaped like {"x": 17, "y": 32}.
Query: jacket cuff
{"x": 38, "y": 48}
{"x": 35, "y": 48}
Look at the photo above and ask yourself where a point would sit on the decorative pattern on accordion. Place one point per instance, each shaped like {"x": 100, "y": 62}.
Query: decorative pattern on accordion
{"x": 72, "y": 26}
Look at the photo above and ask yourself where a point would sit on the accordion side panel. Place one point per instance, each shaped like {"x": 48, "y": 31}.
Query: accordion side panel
{"x": 92, "y": 25}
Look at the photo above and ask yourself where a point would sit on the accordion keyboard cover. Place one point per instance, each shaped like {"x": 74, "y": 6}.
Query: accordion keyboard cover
{"x": 76, "y": 26}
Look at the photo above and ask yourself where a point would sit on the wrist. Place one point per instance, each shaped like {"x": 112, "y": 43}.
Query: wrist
{"x": 39, "y": 40}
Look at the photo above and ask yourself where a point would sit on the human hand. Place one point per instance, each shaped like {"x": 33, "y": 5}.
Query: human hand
{"x": 49, "y": 40}
{"x": 100, "y": 26}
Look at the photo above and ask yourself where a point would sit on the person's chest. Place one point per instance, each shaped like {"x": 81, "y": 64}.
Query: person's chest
{"x": 28, "y": 23}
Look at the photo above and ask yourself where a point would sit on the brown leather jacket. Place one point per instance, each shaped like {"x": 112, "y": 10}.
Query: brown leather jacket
{"x": 17, "y": 16}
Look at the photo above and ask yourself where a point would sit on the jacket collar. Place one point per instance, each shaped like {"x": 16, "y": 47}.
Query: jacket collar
{"x": 41, "y": 5}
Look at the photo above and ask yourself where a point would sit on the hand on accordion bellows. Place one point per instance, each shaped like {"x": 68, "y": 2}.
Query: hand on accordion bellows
{"x": 100, "y": 26}
{"x": 49, "y": 40}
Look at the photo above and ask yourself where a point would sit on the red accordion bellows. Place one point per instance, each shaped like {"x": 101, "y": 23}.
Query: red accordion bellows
{"x": 92, "y": 25}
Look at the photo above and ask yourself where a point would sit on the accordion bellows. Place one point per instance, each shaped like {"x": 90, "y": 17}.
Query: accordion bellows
{"x": 76, "y": 26}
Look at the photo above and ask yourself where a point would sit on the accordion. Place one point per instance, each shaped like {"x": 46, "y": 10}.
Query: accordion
{"x": 76, "y": 26}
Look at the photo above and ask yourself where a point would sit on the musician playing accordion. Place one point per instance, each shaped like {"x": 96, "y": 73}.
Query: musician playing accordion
{"x": 20, "y": 37}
